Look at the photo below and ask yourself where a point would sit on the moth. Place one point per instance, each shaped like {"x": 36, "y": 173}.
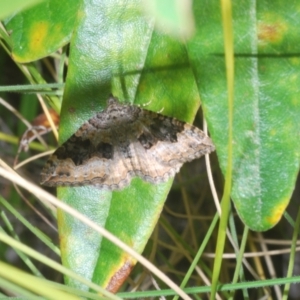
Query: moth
{"x": 121, "y": 142}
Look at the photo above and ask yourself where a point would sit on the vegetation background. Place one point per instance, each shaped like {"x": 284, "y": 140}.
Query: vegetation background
{"x": 173, "y": 70}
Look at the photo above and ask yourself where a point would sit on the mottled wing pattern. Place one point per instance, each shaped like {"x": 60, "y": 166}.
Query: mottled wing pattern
{"x": 176, "y": 142}
{"x": 122, "y": 142}
{"x": 77, "y": 162}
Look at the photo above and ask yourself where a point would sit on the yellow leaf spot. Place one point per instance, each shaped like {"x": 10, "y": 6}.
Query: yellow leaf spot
{"x": 277, "y": 212}
{"x": 271, "y": 29}
{"x": 37, "y": 36}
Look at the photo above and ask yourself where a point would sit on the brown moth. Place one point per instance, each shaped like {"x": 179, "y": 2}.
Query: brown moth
{"x": 121, "y": 142}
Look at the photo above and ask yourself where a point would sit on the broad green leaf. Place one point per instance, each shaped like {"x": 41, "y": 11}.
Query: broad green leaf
{"x": 114, "y": 49}
{"x": 266, "y": 102}
{"x": 41, "y": 30}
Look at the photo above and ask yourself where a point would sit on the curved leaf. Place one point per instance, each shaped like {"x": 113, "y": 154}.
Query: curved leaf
{"x": 115, "y": 49}
{"x": 41, "y": 30}
{"x": 266, "y": 109}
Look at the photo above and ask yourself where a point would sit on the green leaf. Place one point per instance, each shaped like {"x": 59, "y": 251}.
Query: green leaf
{"x": 104, "y": 59}
{"x": 41, "y": 30}
{"x": 266, "y": 106}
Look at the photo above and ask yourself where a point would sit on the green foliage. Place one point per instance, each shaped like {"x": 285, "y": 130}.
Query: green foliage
{"x": 122, "y": 48}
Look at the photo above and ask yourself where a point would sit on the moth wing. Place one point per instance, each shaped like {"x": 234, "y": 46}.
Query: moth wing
{"x": 191, "y": 143}
{"x": 144, "y": 165}
{"x": 82, "y": 160}
{"x": 172, "y": 142}
{"x": 121, "y": 142}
